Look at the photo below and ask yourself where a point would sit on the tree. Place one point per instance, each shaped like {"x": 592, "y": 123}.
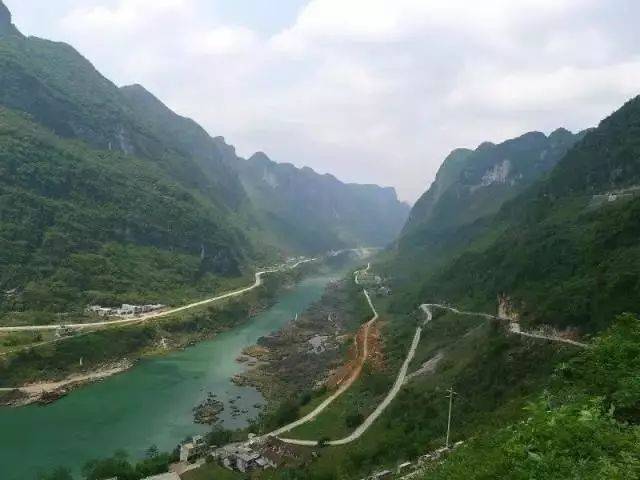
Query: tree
{"x": 152, "y": 451}
{"x": 116, "y": 466}
{"x": 353, "y": 419}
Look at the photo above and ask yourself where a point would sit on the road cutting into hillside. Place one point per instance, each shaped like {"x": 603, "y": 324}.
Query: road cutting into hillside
{"x": 401, "y": 378}
{"x": 152, "y": 316}
{"x": 355, "y": 374}
{"x": 514, "y": 325}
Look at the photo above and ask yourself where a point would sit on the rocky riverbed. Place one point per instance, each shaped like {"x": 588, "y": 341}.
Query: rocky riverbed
{"x": 302, "y": 355}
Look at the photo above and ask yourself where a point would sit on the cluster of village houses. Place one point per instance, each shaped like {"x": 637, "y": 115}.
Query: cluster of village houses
{"x": 125, "y": 310}
{"x": 272, "y": 453}
{"x": 248, "y": 456}
{"x": 242, "y": 456}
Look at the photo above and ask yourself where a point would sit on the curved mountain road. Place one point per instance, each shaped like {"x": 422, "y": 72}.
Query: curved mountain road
{"x": 395, "y": 389}
{"x": 514, "y": 326}
{"x": 402, "y": 375}
{"x": 343, "y": 388}
{"x": 154, "y": 315}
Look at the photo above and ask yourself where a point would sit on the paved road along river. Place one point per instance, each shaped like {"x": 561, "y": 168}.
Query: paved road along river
{"x": 150, "y": 404}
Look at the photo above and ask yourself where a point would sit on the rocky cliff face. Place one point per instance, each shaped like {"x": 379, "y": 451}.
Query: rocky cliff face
{"x": 318, "y": 211}
{"x": 6, "y": 27}
{"x": 472, "y": 184}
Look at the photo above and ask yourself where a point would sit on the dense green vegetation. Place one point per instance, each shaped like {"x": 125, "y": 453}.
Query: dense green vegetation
{"x": 587, "y": 427}
{"x": 139, "y": 204}
{"x": 562, "y": 256}
{"x": 80, "y": 226}
{"x": 110, "y": 345}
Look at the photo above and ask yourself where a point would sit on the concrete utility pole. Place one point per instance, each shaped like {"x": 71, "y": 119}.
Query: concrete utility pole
{"x": 451, "y": 394}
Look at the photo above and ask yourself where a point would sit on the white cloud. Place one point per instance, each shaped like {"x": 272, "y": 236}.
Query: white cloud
{"x": 225, "y": 40}
{"x": 370, "y": 90}
{"x": 130, "y": 14}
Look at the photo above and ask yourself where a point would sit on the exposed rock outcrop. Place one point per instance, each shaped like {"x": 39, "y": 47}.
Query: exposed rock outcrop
{"x": 6, "y": 27}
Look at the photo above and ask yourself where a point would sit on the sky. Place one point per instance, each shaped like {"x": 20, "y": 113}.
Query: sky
{"x": 372, "y": 91}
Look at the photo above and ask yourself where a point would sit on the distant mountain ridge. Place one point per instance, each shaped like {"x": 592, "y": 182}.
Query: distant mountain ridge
{"x": 293, "y": 207}
{"x": 302, "y": 207}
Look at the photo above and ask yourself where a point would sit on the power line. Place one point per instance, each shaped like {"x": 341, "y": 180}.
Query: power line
{"x": 451, "y": 394}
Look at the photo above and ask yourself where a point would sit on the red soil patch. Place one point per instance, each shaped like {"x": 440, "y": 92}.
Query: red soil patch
{"x": 354, "y": 356}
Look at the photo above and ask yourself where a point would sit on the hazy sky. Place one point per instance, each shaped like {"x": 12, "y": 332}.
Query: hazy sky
{"x": 373, "y": 91}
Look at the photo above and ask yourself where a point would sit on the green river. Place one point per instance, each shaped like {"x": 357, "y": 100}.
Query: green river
{"x": 150, "y": 404}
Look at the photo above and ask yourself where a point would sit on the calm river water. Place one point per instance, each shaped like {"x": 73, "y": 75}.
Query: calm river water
{"x": 149, "y": 405}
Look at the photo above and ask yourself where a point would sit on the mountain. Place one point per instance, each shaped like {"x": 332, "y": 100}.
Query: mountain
{"x": 306, "y": 210}
{"x": 566, "y": 250}
{"x": 107, "y": 195}
{"x": 79, "y": 225}
{"x": 62, "y": 91}
{"x": 296, "y": 209}
{"x": 561, "y": 258}
{"x": 6, "y": 26}
{"x": 472, "y": 184}
{"x": 214, "y": 158}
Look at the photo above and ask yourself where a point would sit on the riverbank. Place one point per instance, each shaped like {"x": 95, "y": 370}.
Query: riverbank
{"x": 151, "y": 403}
{"x": 308, "y": 352}
{"x": 92, "y": 350}
{"x": 48, "y": 392}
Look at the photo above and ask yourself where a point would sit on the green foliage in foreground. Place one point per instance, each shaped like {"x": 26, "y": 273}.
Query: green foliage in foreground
{"x": 120, "y": 466}
{"x": 576, "y": 441}
{"x": 588, "y": 427}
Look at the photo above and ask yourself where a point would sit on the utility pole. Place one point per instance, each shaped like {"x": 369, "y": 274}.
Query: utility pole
{"x": 451, "y": 394}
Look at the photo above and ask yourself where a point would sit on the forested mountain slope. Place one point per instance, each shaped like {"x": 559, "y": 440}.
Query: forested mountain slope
{"x": 564, "y": 253}
{"x": 79, "y": 225}
{"x": 211, "y": 155}
{"x": 108, "y": 196}
{"x": 568, "y": 251}
{"x": 62, "y": 91}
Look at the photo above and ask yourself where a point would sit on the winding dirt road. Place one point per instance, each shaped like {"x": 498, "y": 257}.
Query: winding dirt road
{"x": 514, "y": 327}
{"x": 343, "y": 388}
{"x": 395, "y": 389}
{"x": 356, "y": 274}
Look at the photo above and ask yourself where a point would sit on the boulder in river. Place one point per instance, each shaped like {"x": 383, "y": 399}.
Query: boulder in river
{"x": 207, "y": 412}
